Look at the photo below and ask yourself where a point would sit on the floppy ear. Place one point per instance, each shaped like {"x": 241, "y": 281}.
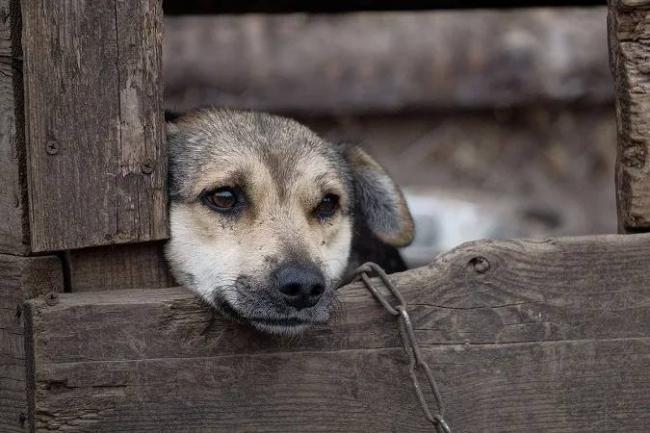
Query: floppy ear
{"x": 379, "y": 200}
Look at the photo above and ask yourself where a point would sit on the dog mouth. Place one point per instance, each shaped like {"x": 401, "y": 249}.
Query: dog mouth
{"x": 290, "y": 325}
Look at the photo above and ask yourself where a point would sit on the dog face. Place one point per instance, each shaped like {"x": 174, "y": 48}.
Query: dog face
{"x": 262, "y": 215}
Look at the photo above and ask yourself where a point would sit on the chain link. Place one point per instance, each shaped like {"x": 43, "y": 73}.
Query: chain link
{"x": 409, "y": 342}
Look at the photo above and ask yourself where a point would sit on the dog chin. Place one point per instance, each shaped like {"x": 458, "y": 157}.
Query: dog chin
{"x": 275, "y": 325}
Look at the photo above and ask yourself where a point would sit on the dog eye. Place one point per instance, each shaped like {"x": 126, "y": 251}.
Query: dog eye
{"x": 222, "y": 199}
{"x": 327, "y": 206}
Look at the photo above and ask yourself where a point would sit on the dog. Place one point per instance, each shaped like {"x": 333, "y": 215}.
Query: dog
{"x": 267, "y": 219}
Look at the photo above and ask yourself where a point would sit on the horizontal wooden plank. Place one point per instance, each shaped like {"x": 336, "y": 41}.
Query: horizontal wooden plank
{"x": 130, "y": 266}
{"x": 563, "y": 387}
{"x": 21, "y": 278}
{"x": 284, "y": 6}
{"x": 97, "y": 156}
{"x": 525, "y": 336}
{"x": 14, "y": 231}
{"x": 387, "y": 62}
{"x": 574, "y": 288}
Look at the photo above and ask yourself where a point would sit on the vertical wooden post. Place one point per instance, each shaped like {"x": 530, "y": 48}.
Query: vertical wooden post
{"x": 94, "y": 123}
{"x": 14, "y": 231}
{"x": 21, "y": 278}
{"x": 629, "y": 43}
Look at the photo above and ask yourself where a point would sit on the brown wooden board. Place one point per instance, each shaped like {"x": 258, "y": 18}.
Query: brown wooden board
{"x": 119, "y": 267}
{"x": 524, "y": 336}
{"x": 388, "y": 62}
{"x": 97, "y": 158}
{"x": 13, "y": 203}
{"x": 629, "y": 27}
{"x": 21, "y": 278}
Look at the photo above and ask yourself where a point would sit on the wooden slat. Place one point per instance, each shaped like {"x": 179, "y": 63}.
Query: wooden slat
{"x": 284, "y": 6}
{"x": 97, "y": 161}
{"x": 119, "y": 267}
{"x": 21, "y": 278}
{"x": 388, "y": 62}
{"x": 13, "y": 216}
{"x": 541, "y": 336}
{"x": 629, "y": 27}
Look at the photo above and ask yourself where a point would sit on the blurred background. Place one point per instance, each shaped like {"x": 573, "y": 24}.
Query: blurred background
{"x": 497, "y": 124}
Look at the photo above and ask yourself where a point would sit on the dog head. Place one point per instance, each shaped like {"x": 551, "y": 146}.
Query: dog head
{"x": 262, "y": 215}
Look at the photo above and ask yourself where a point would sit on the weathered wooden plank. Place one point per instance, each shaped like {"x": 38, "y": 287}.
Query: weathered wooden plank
{"x": 527, "y": 336}
{"x": 195, "y": 7}
{"x": 119, "y": 267}
{"x": 566, "y": 289}
{"x": 562, "y": 387}
{"x": 97, "y": 161}
{"x": 629, "y": 44}
{"x": 21, "y": 278}
{"x": 13, "y": 200}
{"x": 387, "y": 62}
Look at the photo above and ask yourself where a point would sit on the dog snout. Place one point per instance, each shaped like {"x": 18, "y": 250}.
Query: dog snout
{"x": 301, "y": 286}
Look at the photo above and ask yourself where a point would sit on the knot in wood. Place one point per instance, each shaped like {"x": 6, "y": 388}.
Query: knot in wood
{"x": 147, "y": 167}
{"x": 480, "y": 264}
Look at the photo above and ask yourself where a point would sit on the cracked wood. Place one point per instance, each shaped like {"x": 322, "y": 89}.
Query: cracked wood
{"x": 14, "y": 231}
{"x": 96, "y": 153}
{"x": 524, "y": 336}
{"x": 629, "y": 27}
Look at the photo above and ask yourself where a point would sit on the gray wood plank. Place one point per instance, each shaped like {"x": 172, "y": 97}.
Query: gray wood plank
{"x": 13, "y": 199}
{"x": 130, "y": 266}
{"x": 388, "y": 62}
{"x": 541, "y": 336}
{"x": 573, "y": 288}
{"x": 97, "y": 160}
{"x": 21, "y": 278}
{"x": 558, "y": 387}
{"x": 629, "y": 26}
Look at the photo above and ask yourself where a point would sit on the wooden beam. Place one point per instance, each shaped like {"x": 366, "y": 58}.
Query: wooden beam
{"x": 14, "y": 231}
{"x": 21, "y": 278}
{"x": 133, "y": 266}
{"x": 629, "y": 26}
{"x": 97, "y": 157}
{"x": 542, "y": 335}
{"x": 387, "y": 62}
{"x": 195, "y": 7}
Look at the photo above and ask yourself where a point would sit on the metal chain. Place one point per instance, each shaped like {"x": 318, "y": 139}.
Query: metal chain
{"x": 409, "y": 342}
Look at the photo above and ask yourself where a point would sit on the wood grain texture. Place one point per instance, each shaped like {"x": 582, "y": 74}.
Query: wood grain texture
{"x": 13, "y": 198}
{"x": 114, "y": 267}
{"x": 97, "y": 157}
{"x": 629, "y": 28}
{"x": 21, "y": 278}
{"x": 387, "y": 62}
{"x": 549, "y": 336}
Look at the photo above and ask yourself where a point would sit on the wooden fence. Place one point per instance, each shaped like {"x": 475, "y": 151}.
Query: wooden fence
{"x": 544, "y": 336}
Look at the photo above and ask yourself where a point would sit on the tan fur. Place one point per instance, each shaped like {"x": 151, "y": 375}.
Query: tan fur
{"x": 230, "y": 260}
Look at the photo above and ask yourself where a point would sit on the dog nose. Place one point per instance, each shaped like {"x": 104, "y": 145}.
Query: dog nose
{"x": 301, "y": 286}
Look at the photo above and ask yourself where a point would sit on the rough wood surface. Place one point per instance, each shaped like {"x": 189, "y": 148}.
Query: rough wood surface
{"x": 629, "y": 28}
{"x": 20, "y": 279}
{"x": 133, "y": 266}
{"x": 524, "y": 337}
{"x": 13, "y": 216}
{"x": 359, "y": 63}
{"x": 97, "y": 160}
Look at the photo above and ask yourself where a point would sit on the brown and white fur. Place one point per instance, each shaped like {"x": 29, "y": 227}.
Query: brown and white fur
{"x": 275, "y": 258}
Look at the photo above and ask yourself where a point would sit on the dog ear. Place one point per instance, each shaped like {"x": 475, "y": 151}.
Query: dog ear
{"x": 378, "y": 199}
